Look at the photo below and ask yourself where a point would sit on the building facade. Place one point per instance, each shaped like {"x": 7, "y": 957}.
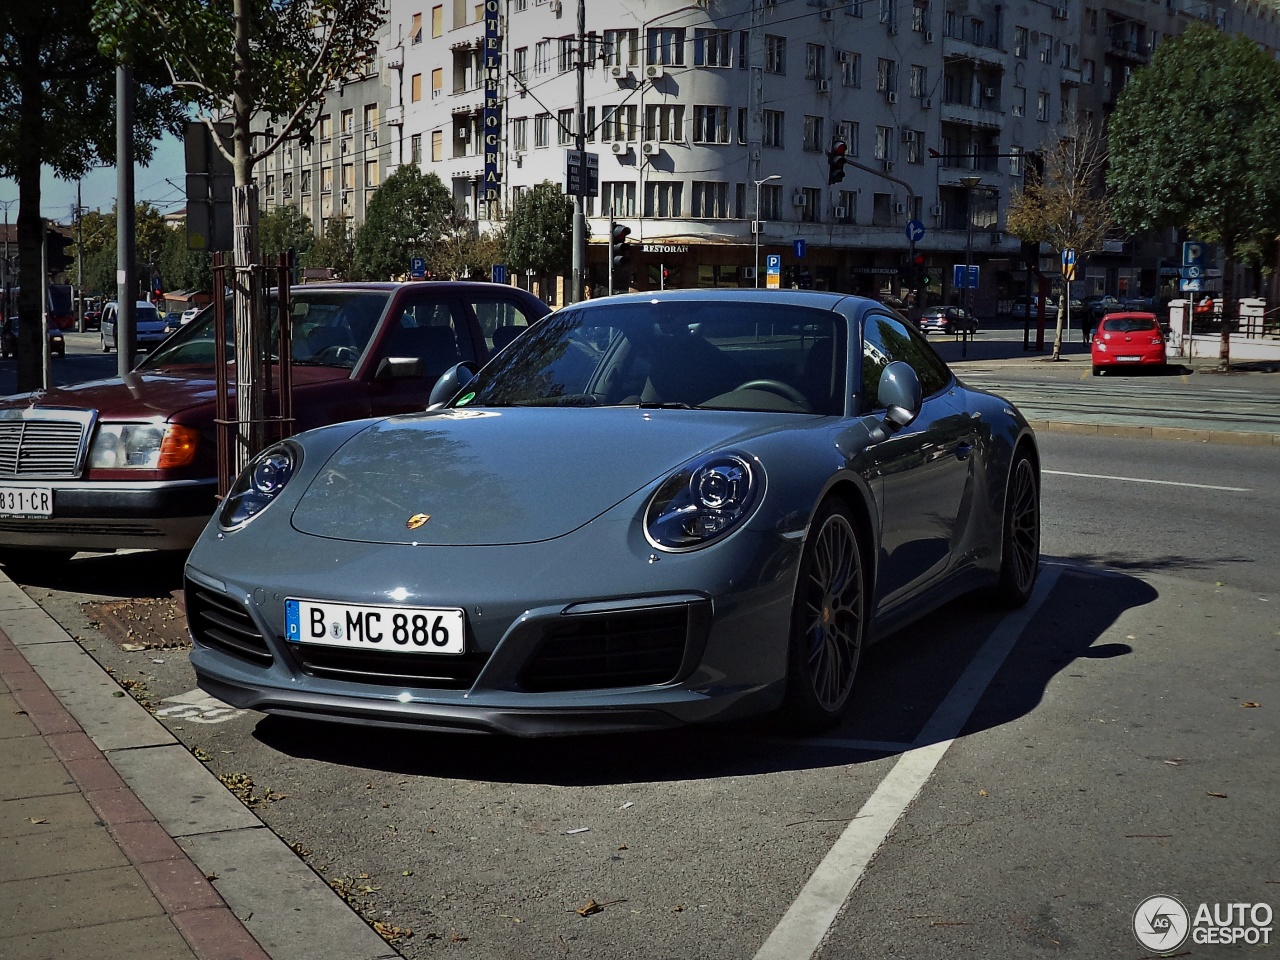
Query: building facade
{"x": 710, "y": 117}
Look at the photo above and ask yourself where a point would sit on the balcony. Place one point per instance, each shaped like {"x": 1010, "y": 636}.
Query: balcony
{"x": 956, "y": 48}
{"x": 989, "y": 115}
{"x": 1128, "y": 48}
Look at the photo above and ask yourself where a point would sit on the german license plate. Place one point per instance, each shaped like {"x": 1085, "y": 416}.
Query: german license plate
{"x": 1128, "y": 359}
{"x": 400, "y": 629}
{"x": 26, "y": 502}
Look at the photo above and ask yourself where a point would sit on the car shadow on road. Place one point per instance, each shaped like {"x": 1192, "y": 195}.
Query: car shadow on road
{"x": 130, "y": 575}
{"x": 902, "y": 681}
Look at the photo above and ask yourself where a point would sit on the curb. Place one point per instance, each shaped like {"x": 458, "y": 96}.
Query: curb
{"x": 174, "y": 820}
{"x": 1240, "y": 438}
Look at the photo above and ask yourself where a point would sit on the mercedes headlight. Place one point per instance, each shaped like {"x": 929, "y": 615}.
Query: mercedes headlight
{"x": 143, "y": 446}
{"x": 703, "y": 501}
{"x": 259, "y": 484}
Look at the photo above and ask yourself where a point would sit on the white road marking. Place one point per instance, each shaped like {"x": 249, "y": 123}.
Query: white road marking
{"x": 801, "y": 930}
{"x": 1165, "y": 483}
{"x": 196, "y": 706}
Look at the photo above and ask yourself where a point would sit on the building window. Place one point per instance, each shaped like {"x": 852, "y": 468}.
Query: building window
{"x": 1091, "y": 21}
{"x": 711, "y": 48}
{"x": 811, "y": 212}
{"x": 711, "y": 125}
{"x": 920, "y": 16}
{"x": 770, "y": 202}
{"x": 1046, "y": 48}
{"x": 813, "y": 138}
{"x": 775, "y": 54}
{"x": 710, "y": 200}
{"x": 847, "y": 207}
{"x": 666, "y": 46}
{"x": 415, "y": 29}
{"x": 915, "y": 151}
{"x": 1042, "y": 106}
{"x": 326, "y": 179}
{"x": 304, "y": 182}
{"x": 271, "y": 186}
{"x": 848, "y": 131}
{"x": 744, "y": 49}
{"x": 1015, "y": 161}
{"x": 1020, "y": 42}
{"x": 886, "y": 75}
{"x": 372, "y": 176}
{"x": 1086, "y": 71}
{"x": 437, "y": 21}
{"x": 663, "y": 199}
{"x": 348, "y": 123}
{"x": 618, "y": 196}
{"x": 565, "y": 57}
{"x": 520, "y": 135}
{"x": 850, "y": 68}
{"x": 520, "y": 63}
{"x": 815, "y": 61}
{"x": 542, "y": 57}
{"x": 591, "y": 125}
{"x": 288, "y": 186}
{"x": 886, "y": 11}
{"x": 919, "y": 81}
{"x": 884, "y": 143}
{"x": 415, "y": 88}
{"x": 326, "y": 128}
{"x": 619, "y": 123}
{"x": 977, "y": 32}
{"x": 437, "y": 83}
{"x": 415, "y": 148}
{"x": 621, "y": 48}
{"x": 564, "y": 128}
{"x": 773, "y": 128}
{"x": 1018, "y": 102}
{"x": 542, "y": 130}
{"x": 664, "y": 122}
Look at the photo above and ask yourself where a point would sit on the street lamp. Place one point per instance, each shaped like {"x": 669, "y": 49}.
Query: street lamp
{"x": 755, "y": 224}
{"x": 970, "y": 182}
{"x": 4, "y": 264}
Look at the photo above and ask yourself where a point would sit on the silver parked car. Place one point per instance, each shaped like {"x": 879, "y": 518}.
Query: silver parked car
{"x": 648, "y": 510}
{"x": 151, "y": 327}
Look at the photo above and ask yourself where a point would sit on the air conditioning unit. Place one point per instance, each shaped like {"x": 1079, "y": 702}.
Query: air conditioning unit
{"x": 619, "y": 147}
{"x": 798, "y": 199}
{"x": 989, "y": 92}
{"x": 1017, "y": 110}
{"x": 936, "y": 210}
{"x": 1059, "y": 13}
{"x": 824, "y": 15}
{"x": 464, "y": 133}
{"x": 824, "y": 86}
{"x": 887, "y": 165}
{"x": 748, "y": 273}
{"x": 841, "y": 213}
{"x": 997, "y": 238}
{"x": 346, "y": 146}
{"x": 653, "y": 71}
{"x": 651, "y": 148}
{"x": 899, "y": 208}
{"x": 891, "y": 96}
{"x": 928, "y": 36}
{"x": 618, "y": 71}
{"x": 843, "y": 56}
{"x": 908, "y": 136}
{"x": 926, "y": 103}
{"x": 556, "y": 8}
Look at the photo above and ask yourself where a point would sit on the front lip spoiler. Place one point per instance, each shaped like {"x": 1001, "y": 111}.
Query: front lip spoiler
{"x": 439, "y": 718}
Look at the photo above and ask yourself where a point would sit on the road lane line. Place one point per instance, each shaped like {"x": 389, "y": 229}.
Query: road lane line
{"x": 802, "y": 928}
{"x": 1164, "y": 483}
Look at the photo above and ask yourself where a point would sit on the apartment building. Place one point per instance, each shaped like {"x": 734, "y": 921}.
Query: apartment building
{"x": 708, "y": 117}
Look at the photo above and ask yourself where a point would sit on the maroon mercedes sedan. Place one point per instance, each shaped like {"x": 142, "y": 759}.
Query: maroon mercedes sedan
{"x": 127, "y": 463}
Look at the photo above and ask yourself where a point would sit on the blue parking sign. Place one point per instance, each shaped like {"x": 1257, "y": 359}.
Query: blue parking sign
{"x": 417, "y": 268}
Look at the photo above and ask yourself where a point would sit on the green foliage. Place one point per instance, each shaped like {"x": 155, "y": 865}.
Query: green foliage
{"x": 1195, "y": 140}
{"x": 405, "y": 218}
{"x": 1063, "y": 204}
{"x": 540, "y": 231}
{"x": 465, "y": 252}
{"x": 282, "y": 229}
{"x": 334, "y": 249}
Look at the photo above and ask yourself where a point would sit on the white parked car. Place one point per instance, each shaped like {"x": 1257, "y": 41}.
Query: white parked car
{"x": 190, "y": 314}
{"x": 151, "y": 327}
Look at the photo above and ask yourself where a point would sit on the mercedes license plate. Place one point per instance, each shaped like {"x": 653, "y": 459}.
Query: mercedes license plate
{"x": 26, "y": 502}
{"x": 400, "y": 629}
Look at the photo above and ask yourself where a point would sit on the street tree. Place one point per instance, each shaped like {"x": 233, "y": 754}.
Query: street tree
{"x": 1063, "y": 202}
{"x": 540, "y": 231}
{"x": 463, "y": 251}
{"x": 57, "y": 112}
{"x": 247, "y": 60}
{"x": 153, "y": 244}
{"x": 283, "y": 229}
{"x": 405, "y": 218}
{"x": 1195, "y": 143}
{"x": 333, "y": 250}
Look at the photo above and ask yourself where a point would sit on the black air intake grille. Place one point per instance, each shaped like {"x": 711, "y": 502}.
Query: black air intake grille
{"x": 222, "y": 623}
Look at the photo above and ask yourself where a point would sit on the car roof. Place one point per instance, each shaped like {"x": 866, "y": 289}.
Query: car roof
{"x": 817, "y": 299}
{"x": 1130, "y": 315}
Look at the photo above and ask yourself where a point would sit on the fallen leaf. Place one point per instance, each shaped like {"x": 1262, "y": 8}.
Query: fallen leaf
{"x": 117, "y": 693}
{"x": 456, "y": 938}
{"x": 982, "y": 793}
{"x": 407, "y": 873}
{"x": 589, "y": 909}
{"x": 38, "y": 819}
{"x": 623, "y": 847}
{"x": 677, "y": 909}
{"x": 1221, "y": 796}
{"x": 211, "y": 877}
{"x": 132, "y": 647}
{"x": 1251, "y": 703}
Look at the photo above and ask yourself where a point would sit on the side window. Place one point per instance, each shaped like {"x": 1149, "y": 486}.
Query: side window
{"x": 500, "y": 319}
{"x": 886, "y": 339}
{"x": 434, "y": 331}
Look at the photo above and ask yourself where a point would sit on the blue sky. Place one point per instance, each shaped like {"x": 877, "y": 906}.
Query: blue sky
{"x": 98, "y": 189}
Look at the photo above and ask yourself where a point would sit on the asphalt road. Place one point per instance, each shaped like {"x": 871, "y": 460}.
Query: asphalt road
{"x": 1008, "y": 785}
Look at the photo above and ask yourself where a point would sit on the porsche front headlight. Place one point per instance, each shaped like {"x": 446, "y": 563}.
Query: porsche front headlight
{"x": 259, "y": 484}
{"x": 703, "y": 501}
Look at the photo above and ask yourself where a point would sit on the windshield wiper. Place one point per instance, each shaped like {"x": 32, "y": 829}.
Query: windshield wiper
{"x": 666, "y": 405}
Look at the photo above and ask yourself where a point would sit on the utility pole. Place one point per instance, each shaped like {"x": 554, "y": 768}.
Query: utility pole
{"x": 126, "y": 289}
{"x": 79, "y": 262}
{"x": 580, "y": 143}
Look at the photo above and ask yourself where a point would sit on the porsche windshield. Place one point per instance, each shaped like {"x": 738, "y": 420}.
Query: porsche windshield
{"x": 728, "y": 355}
{"x": 330, "y": 329}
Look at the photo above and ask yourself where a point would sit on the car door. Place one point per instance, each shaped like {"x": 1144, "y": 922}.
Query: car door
{"x": 107, "y": 326}
{"x": 436, "y": 328}
{"x": 501, "y": 317}
{"x": 921, "y": 472}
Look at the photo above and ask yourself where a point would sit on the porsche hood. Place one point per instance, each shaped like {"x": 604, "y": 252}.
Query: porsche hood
{"x": 503, "y": 476}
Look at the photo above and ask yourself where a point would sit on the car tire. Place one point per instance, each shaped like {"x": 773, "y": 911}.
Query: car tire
{"x": 828, "y": 622}
{"x": 1020, "y": 535}
{"x": 1097, "y": 370}
{"x": 103, "y": 337}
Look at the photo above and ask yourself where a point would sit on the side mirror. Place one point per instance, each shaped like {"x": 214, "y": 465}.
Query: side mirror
{"x": 451, "y": 383}
{"x": 899, "y": 391}
{"x": 400, "y": 368}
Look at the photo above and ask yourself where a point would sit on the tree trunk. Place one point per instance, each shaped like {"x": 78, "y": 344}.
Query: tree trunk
{"x": 1228, "y": 305}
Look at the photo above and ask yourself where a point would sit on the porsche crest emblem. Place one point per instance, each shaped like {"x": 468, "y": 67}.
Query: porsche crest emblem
{"x": 417, "y": 520}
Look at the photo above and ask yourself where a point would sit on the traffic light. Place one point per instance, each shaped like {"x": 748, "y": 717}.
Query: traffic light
{"x": 57, "y": 259}
{"x": 835, "y": 161}
{"x": 619, "y": 252}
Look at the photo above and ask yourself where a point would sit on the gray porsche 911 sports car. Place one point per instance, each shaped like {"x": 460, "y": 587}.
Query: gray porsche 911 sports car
{"x": 647, "y": 510}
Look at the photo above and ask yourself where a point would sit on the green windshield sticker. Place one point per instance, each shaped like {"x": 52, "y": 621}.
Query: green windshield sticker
{"x": 465, "y": 399}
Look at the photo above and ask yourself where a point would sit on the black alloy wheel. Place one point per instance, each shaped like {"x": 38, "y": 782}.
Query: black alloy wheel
{"x": 1020, "y": 552}
{"x": 828, "y": 622}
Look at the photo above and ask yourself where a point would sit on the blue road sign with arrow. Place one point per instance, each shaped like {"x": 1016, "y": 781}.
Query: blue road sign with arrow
{"x": 915, "y": 231}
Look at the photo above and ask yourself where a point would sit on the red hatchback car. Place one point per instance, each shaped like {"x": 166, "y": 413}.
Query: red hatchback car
{"x": 1128, "y": 340}
{"x": 118, "y": 463}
